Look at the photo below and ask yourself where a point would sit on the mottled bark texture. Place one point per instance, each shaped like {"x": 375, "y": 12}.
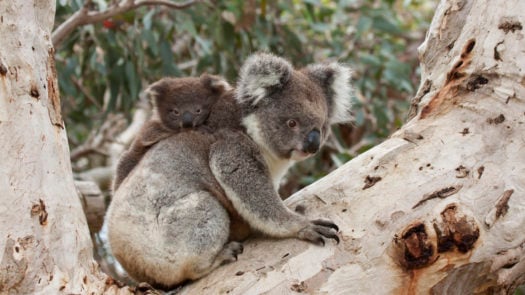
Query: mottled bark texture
{"x": 45, "y": 244}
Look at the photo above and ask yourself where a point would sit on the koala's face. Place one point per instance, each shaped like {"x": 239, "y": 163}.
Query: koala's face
{"x": 292, "y": 122}
{"x": 176, "y": 111}
{"x": 287, "y": 112}
{"x": 186, "y": 102}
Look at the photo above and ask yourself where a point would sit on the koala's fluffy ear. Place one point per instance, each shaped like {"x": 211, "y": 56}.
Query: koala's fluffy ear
{"x": 334, "y": 79}
{"x": 261, "y": 74}
{"x": 215, "y": 83}
{"x": 157, "y": 89}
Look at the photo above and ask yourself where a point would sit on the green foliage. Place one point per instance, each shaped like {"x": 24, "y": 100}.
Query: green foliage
{"x": 103, "y": 67}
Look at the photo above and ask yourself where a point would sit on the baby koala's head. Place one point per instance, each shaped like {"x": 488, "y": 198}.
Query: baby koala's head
{"x": 185, "y": 102}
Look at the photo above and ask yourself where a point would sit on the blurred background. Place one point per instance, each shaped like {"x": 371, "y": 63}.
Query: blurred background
{"x": 103, "y": 68}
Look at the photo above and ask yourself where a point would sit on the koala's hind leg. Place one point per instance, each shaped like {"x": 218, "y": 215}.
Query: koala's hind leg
{"x": 227, "y": 255}
{"x": 182, "y": 237}
{"x": 200, "y": 225}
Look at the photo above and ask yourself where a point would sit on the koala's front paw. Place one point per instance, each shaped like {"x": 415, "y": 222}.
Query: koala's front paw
{"x": 230, "y": 251}
{"x": 319, "y": 229}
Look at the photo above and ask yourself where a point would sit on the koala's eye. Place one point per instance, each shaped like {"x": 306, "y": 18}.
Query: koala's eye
{"x": 291, "y": 123}
{"x": 175, "y": 111}
{"x": 198, "y": 111}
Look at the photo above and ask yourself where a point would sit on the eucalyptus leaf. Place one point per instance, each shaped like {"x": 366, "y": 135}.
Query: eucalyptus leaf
{"x": 102, "y": 4}
{"x": 148, "y": 20}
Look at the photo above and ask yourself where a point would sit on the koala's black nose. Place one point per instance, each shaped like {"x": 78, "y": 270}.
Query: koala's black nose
{"x": 187, "y": 120}
{"x": 312, "y": 142}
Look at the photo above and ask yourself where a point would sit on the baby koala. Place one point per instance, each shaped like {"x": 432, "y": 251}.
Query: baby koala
{"x": 178, "y": 103}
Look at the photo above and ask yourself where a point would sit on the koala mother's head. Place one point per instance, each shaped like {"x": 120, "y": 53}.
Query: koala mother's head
{"x": 288, "y": 112}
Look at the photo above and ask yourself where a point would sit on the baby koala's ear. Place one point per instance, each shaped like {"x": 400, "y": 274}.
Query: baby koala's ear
{"x": 260, "y": 75}
{"x": 334, "y": 79}
{"x": 216, "y": 84}
{"x": 157, "y": 90}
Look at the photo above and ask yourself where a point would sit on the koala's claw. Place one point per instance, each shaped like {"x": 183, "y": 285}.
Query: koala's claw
{"x": 236, "y": 248}
{"x": 230, "y": 251}
{"x": 327, "y": 232}
{"x": 318, "y": 231}
{"x": 326, "y": 223}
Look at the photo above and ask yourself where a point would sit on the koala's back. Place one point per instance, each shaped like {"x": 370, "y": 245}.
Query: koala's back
{"x": 162, "y": 218}
{"x": 225, "y": 113}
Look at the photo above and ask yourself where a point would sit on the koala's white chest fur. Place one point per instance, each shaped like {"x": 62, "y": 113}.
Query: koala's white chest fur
{"x": 277, "y": 166}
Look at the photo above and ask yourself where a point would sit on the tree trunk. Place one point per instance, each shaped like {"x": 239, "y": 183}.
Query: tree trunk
{"x": 439, "y": 207}
{"x": 45, "y": 243}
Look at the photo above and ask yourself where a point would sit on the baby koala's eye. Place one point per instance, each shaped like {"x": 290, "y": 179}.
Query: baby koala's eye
{"x": 175, "y": 111}
{"x": 198, "y": 111}
{"x": 291, "y": 123}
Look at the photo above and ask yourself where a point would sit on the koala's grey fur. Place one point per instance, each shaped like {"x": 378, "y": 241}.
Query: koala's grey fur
{"x": 173, "y": 99}
{"x": 165, "y": 223}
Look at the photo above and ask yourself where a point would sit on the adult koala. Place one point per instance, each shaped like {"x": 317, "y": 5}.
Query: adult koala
{"x": 171, "y": 219}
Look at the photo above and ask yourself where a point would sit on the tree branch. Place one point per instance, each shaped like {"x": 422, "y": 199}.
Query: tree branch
{"x": 99, "y": 139}
{"x": 84, "y": 150}
{"x": 84, "y": 16}
{"x": 84, "y": 91}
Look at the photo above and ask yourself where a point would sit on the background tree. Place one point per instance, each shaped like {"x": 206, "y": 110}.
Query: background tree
{"x": 45, "y": 242}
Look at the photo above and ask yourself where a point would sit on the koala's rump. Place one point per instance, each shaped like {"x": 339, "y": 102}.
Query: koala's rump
{"x": 163, "y": 221}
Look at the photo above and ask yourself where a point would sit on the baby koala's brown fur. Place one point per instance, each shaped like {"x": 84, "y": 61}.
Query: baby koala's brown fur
{"x": 178, "y": 103}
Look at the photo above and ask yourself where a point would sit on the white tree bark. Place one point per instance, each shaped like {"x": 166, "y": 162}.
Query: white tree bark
{"x": 45, "y": 244}
{"x": 439, "y": 207}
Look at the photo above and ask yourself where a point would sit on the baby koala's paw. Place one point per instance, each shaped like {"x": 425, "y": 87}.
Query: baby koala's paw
{"x": 230, "y": 252}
